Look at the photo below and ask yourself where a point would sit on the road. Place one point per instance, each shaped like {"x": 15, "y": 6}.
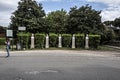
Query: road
{"x": 60, "y": 65}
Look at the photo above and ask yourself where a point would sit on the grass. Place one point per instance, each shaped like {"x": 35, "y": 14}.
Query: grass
{"x": 106, "y": 48}
{"x": 100, "y": 48}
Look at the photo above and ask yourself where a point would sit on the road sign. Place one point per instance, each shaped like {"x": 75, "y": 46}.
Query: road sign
{"x": 9, "y": 33}
{"x": 22, "y": 28}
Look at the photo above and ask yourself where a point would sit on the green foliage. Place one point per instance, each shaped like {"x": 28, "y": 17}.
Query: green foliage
{"x": 29, "y": 14}
{"x": 118, "y": 36}
{"x": 56, "y": 21}
{"x": 116, "y": 22}
{"x": 79, "y": 39}
{"x": 39, "y": 40}
{"x": 66, "y": 40}
{"x": 108, "y": 22}
{"x": 2, "y": 41}
{"x": 94, "y": 41}
{"x": 108, "y": 35}
{"x": 84, "y": 20}
{"x": 53, "y": 40}
{"x": 24, "y": 39}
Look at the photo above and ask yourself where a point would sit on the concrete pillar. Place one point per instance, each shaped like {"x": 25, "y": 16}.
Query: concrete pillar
{"x": 47, "y": 41}
{"x": 59, "y": 41}
{"x": 32, "y": 41}
{"x": 73, "y": 41}
{"x": 86, "y": 42}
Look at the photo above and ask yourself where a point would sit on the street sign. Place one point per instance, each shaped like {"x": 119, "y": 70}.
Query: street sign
{"x": 22, "y": 28}
{"x": 9, "y": 33}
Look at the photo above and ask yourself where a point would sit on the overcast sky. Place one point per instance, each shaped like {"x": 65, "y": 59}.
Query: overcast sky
{"x": 110, "y": 8}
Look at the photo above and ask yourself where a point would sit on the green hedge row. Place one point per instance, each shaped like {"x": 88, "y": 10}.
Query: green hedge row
{"x": 80, "y": 40}
{"x": 24, "y": 39}
{"x": 39, "y": 40}
{"x": 53, "y": 40}
{"x": 94, "y": 40}
{"x": 66, "y": 40}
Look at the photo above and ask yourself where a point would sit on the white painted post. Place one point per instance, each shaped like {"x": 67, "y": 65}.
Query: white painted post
{"x": 32, "y": 41}
{"x": 47, "y": 42}
{"x": 73, "y": 41}
{"x": 86, "y": 42}
{"x": 60, "y": 41}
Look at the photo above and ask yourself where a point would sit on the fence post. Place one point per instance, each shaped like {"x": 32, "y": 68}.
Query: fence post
{"x": 47, "y": 41}
{"x": 60, "y": 41}
{"x": 32, "y": 41}
{"x": 73, "y": 41}
{"x": 86, "y": 42}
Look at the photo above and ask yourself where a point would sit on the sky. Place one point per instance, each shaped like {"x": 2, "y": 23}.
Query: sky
{"x": 110, "y": 8}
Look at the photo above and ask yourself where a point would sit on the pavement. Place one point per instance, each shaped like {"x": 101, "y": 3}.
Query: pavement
{"x": 80, "y": 52}
{"x": 60, "y": 65}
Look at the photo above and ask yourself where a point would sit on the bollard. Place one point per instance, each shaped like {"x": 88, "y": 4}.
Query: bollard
{"x": 73, "y": 41}
{"x": 47, "y": 42}
{"x": 32, "y": 41}
{"x": 86, "y": 42}
{"x": 60, "y": 41}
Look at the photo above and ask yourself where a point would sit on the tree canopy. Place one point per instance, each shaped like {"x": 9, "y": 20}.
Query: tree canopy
{"x": 56, "y": 21}
{"x": 78, "y": 20}
{"x": 28, "y": 14}
{"x": 84, "y": 20}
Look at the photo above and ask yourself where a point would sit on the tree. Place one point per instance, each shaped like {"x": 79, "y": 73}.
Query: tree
{"x": 84, "y": 20}
{"x": 56, "y": 21}
{"x": 108, "y": 22}
{"x": 116, "y": 22}
{"x": 28, "y": 14}
{"x": 2, "y": 31}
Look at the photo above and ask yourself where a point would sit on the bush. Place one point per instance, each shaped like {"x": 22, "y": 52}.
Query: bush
{"x": 2, "y": 41}
{"x": 94, "y": 41}
{"x": 53, "y": 40}
{"x": 24, "y": 39}
{"x": 39, "y": 40}
{"x": 66, "y": 40}
{"x": 79, "y": 39}
{"x": 107, "y": 36}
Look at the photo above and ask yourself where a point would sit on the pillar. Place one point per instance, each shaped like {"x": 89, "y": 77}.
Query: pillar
{"x": 32, "y": 41}
{"x": 86, "y": 42}
{"x": 60, "y": 41}
{"x": 47, "y": 41}
{"x": 73, "y": 41}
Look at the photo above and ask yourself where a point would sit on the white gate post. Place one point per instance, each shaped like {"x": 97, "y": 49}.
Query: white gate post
{"x": 32, "y": 41}
{"x": 73, "y": 41}
{"x": 60, "y": 41}
{"x": 86, "y": 42}
{"x": 47, "y": 41}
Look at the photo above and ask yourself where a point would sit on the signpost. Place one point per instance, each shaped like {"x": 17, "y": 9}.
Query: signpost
{"x": 21, "y": 28}
{"x": 9, "y": 33}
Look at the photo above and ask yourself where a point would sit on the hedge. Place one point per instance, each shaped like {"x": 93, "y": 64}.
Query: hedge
{"x": 79, "y": 40}
{"x": 24, "y": 39}
{"x": 94, "y": 41}
{"x": 53, "y": 40}
{"x": 39, "y": 40}
{"x": 2, "y": 41}
{"x": 66, "y": 40}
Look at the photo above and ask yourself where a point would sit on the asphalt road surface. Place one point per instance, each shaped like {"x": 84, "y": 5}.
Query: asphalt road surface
{"x": 60, "y": 65}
